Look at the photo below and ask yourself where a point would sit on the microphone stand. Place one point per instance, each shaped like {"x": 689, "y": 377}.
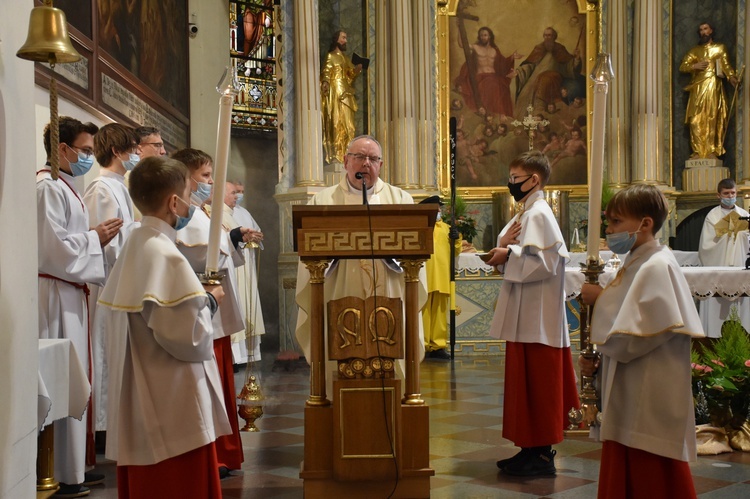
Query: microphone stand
{"x": 359, "y": 176}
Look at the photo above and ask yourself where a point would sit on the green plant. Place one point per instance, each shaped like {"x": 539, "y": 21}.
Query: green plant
{"x": 465, "y": 224}
{"x": 721, "y": 377}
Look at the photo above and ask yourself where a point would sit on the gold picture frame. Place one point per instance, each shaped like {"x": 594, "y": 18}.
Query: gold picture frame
{"x": 485, "y": 13}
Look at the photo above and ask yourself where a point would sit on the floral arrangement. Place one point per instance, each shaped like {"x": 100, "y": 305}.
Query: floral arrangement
{"x": 465, "y": 224}
{"x": 721, "y": 378}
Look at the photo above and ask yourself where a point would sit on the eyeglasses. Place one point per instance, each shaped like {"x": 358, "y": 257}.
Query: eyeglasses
{"x": 360, "y": 158}
{"x": 514, "y": 180}
{"x": 158, "y": 145}
{"x": 86, "y": 151}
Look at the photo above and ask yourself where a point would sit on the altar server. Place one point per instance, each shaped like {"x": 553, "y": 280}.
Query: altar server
{"x": 724, "y": 243}
{"x": 70, "y": 255}
{"x": 192, "y": 241}
{"x": 107, "y": 197}
{"x": 166, "y": 405}
{"x": 540, "y": 385}
{"x": 642, "y": 325}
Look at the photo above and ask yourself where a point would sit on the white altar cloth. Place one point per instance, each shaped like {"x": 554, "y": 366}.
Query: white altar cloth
{"x": 63, "y": 388}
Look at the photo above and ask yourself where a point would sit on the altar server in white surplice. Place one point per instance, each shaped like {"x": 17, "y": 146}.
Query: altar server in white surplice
{"x": 166, "y": 406}
{"x": 642, "y": 325}
{"x": 247, "y": 280}
{"x": 107, "y": 197}
{"x": 724, "y": 243}
{"x": 540, "y": 384}
{"x": 355, "y": 277}
{"x": 192, "y": 241}
{"x": 70, "y": 255}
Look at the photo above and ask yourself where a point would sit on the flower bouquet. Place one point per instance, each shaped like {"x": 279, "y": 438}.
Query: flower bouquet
{"x": 465, "y": 224}
{"x": 721, "y": 383}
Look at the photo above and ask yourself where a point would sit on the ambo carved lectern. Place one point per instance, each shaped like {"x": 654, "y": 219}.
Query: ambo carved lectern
{"x": 361, "y": 443}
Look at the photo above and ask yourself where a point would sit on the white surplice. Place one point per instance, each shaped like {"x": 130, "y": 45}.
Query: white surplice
{"x": 192, "y": 241}
{"x": 165, "y": 394}
{"x": 531, "y": 304}
{"x": 106, "y": 197}
{"x": 642, "y": 324}
{"x": 729, "y": 250}
{"x": 355, "y": 277}
{"x": 247, "y": 284}
{"x": 71, "y": 252}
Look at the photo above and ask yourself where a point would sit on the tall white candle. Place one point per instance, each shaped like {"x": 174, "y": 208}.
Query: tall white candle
{"x": 596, "y": 173}
{"x": 220, "y": 178}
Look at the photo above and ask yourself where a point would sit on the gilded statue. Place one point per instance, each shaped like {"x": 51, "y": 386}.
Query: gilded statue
{"x": 707, "y": 108}
{"x": 339, "y": 103}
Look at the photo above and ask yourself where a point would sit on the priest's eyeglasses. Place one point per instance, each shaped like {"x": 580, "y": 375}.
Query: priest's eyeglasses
{"x": 360, "y": 158}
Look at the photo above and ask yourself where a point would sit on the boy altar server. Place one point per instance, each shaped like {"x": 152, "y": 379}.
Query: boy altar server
{"x": 192, "y": 241}
{"x": 107, "y": 197}
{"x": 642, "y": 325}
{"x": 540, "y": 385}
{"x": 165, "y": 405}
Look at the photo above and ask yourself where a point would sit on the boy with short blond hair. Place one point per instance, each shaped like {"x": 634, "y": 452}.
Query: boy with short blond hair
{"x": 165, "y": 405}
{"x": 540, "y": 385}
{"x": 642, "y": 324}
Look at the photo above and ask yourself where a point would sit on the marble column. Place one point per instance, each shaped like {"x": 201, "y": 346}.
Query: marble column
{"x": 403, "y": 146}
{"x": 743, "y": 169}
{"x": 382, "y": 86}
{"x": 648, "y": 163}
{"x": 618, "y": 130}
{"x": 425, "y": 105}
{"x": 308, "y": 139}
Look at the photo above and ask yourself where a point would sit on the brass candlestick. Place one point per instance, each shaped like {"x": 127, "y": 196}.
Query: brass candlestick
{"x": 589, "y": 411}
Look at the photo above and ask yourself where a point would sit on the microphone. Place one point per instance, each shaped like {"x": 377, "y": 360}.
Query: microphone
{"x": 361, "y": 177}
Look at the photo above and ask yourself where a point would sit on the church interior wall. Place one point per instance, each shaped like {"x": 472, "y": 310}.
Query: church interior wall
{"x": 18, "y": 259}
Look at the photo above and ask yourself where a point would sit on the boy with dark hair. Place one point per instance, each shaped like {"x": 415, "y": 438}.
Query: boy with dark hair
{"x": 165, "y": 401}
{"x": 642, "y": 325}
{"x": 107, "y": 197}
{"x": 540, "y": 385}
{"x": 70, "y": 255}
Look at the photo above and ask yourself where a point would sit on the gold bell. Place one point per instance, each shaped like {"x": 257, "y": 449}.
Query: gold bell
{"x": 48, "y": 39}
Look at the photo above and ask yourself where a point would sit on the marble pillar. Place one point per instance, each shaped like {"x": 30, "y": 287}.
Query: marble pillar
{"x": 648, "y": 163}
{"x": 383, "y": 87}
{"x": 308, "y": 139}
{"x": 424, "y": 63}
{"x": 618, "y": 129}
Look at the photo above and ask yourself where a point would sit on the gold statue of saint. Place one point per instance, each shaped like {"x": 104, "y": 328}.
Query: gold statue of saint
{"x": 339, "y": 102}
{"x": 707, "y": 108}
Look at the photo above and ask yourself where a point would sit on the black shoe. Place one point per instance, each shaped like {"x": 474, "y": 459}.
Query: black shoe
{"x": 535, "y": 463}
{"x": 91, "y": 478}
{"x": 440, "y": 355}
{"x": 519, "y": 455}
{"x": 223, "y": 472}
{"x": 75, "y": 490}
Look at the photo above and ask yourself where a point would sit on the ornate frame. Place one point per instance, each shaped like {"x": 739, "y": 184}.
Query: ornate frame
{"x": 446, "y": 10}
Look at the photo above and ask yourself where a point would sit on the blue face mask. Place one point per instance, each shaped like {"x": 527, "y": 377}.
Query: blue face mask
{"x": 728, "y": 202}
{"x": 132, "y": 160}
{"x": 203, "y": 192}
{"x": 82, "y": 165}
{"x": 239, "y": 198}
{"x": 622, "y": 242}
{"x": 182, "y": 222}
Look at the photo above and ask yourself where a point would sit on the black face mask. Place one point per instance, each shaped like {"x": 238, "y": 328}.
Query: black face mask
{"x": 517, "y": 192}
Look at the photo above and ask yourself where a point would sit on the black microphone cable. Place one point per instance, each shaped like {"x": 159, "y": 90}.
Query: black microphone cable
{"x": 360, "y": 176}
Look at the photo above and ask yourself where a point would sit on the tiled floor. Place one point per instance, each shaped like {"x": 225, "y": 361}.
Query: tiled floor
{"x": 465, "y": 441}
